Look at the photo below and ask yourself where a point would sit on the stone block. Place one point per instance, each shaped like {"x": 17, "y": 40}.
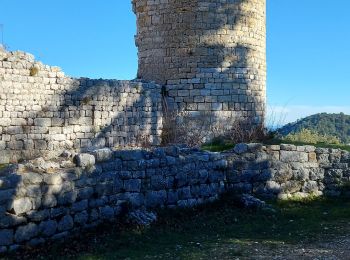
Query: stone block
{"x": 155, "y": 198}
{"x": 22, "y": 205}
{"x": 48, "y": 228}
{"x": 6, "y": 237}
{"x": 81, "y": 218}
{"x": 133, "y": 185}
{"x": 294, "y": 156}
{"x": 66, "y": 223}
{"x": 25, "y": 233}
{"x": 103, "y": 155}
{"x": 84, "y": 160}
{"x": 107, "y": 213}
{"x": 42, "y": 122}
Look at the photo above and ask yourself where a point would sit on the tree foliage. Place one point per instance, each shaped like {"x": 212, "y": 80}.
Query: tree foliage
{"x": 311, "y": 137}
{"x": 337, "y": 125}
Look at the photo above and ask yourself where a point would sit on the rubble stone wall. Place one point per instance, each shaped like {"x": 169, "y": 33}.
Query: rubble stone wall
{"x": 43, "y": 111}
{"x": 41, "y": 200}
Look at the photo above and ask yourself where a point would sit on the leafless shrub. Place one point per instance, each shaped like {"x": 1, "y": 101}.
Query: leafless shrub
{"x": 195, "y": 130}
{"x": 143, "y": 140}
{"x": 245, "y": 131}
{"x": 186, "y": 129}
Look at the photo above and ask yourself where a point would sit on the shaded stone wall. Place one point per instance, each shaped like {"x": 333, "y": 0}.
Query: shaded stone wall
{"x": 211, "y": 55}
{"x": 42, "y": 201}
{"x": 42, "y": 111}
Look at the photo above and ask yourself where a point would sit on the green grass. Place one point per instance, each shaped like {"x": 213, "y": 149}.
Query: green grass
{"x": 220, "y": 230}
{"x": 3, "y": 166}
{"x": 217, "y": 147}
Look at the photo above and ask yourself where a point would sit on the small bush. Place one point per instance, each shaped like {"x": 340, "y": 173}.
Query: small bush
{"x": 311, "y": 137}
{"x": 86, "y": 100}
{"x": 34, "y": 71}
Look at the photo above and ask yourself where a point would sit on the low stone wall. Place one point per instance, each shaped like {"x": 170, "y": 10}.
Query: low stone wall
{"x": 42, "y": 201}
{"x": 42, "y": 111}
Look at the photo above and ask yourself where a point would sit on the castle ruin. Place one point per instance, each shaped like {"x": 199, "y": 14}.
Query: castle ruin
{"x": 200, "y": 56}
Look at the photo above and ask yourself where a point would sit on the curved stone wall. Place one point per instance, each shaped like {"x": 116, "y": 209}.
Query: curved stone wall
{"x": 210, "y": 54}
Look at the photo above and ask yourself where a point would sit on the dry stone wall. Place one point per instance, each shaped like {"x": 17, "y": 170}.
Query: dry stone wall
{"x": 43, "y": 111}
{"x": 41, "y": 200}
{"x": 211, "y": 55}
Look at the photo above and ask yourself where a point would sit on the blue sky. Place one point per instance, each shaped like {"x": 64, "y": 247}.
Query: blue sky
{"x": 308, "y": 46}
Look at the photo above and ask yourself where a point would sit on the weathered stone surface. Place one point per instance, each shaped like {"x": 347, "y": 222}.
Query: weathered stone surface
{"x": 80, "y": 206}
{"x": 32, "y": 178}
{"x": 241, "y": 148}
{"x": 6, "y": 196}
{"x": 133, "y": 185}
{"x": 53, "y": 179}
{"x": 103, "y": 155}
{"x": 107, "y": 213}
{"x": 141, "y": 217}
{"x": 67, "y": 198}
{"x": 49, "y": 201}
{"x": 85, "y": 160}
{"x": 66, "y": 223}
{"x": 294, "y": 156}
{"x": 6, "y": 237}
{"x": 81, "y": 218}
{"x": 48, "y": 228}
{"x": 155, "y": 198}
{"x": 38, "y": 216}
{"x": 22, "y": 205}
{"x": 25, "y": 233}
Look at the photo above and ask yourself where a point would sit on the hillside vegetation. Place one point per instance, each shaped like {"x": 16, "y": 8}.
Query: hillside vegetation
{"x": 336, "y": 125}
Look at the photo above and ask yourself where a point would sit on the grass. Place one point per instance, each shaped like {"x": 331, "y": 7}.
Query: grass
{"x": 219, "y": 231}
{"x": 3, "y": 166}
{"x": 217, "y": 147}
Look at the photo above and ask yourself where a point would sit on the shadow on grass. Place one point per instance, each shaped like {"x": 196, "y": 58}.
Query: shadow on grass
{"x": 200, "y": 232}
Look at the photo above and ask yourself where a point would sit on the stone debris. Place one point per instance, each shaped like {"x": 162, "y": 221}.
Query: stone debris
{"x": 251, "y": 202}
{"x": 141, "y": 217}
{"x": 40, "y": 165}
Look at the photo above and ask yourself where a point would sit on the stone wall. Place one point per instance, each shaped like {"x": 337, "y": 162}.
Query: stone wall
{"x": 42, "y": 200}
{"x": 209, "y": 54}
{"x": 43, "y": 111}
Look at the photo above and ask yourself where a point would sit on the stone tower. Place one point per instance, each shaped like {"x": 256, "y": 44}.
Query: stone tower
{"x": 210, "y": 54}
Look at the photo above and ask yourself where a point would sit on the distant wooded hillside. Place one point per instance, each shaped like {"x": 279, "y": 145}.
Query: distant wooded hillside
{"x": 327, "y": 124}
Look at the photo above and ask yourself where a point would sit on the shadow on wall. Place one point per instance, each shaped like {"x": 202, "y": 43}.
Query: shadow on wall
{"x": 37, "y": 206}
{"x": 212, "y": 43}
{"x": 87, "y": 114}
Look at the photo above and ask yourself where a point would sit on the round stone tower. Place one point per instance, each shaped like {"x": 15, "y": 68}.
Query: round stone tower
{"x": 209, "y": 54}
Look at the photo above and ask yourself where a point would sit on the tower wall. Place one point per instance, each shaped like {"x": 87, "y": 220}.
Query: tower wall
{"x": 210, "y": 54}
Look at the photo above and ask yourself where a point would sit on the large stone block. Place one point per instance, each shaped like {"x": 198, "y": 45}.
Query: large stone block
{"x": 66, "y": 223}
{"x": 6, "y": 237}
{"x": 25, "y": 233}
{"x": 294, "y": 156}
{"x": 85, "y": 160}
{"x": 22, "y": 205}
{"x": 155, "y": 198}
{"x": 48, "y": 228}
{"x": 42, "y": 122}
